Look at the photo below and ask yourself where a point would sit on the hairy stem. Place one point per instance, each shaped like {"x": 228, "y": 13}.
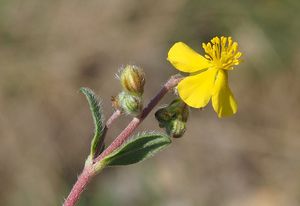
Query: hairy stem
{"x": 80, "y": 185}
{"x": 113, "y": 117}
{"x": 90, "y": 171}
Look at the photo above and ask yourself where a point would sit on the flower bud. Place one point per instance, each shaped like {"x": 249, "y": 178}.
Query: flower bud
{"x": 173, "y": 118}
{"x": 163, "y": 116}
{"x": 176, "y": 128}
{"x": 130, "y": 104}
{"x": 132, "y": 79}
{"x": 177, "y": 109}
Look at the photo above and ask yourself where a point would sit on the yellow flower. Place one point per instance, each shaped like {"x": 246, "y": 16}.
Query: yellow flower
{"x": 208, "y": 74}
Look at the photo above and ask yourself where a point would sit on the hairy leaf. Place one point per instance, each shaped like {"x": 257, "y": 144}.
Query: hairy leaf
{"x": 96, "y": 109}
{"x": 138, "y": 148}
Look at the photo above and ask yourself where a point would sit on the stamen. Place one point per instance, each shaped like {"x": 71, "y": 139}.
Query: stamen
{"x": 222, "y": 52}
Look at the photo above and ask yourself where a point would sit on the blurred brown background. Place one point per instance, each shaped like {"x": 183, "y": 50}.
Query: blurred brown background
{"x": 50, "y": 48}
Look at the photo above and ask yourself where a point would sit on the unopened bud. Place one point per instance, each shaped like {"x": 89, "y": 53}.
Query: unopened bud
{"x": 163, "y": 116}
{"x": 176, "y": 128}
{"x": 173, "y": 118}
{"x": 132, "y": 79}
{"x": 130, "y": 104}
{"x": 177, "y": 109}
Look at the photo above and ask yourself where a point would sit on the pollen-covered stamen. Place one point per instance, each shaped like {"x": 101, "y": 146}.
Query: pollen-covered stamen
{"x": 222, "y": 52}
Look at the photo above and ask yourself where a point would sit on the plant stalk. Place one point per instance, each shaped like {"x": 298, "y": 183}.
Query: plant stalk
{"x": 91, "y": 170}
{"x": 112, "y": 118}
{"x": 87, "y": 174}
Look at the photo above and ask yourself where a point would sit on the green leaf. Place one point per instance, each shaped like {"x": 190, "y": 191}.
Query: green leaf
{"x": 137, "y": 149}
{"x": 96, "y": 109}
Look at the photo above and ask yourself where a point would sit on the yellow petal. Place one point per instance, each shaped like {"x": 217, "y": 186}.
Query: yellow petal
{"x": 223, "y": 100}
{"x": 196, "y": 90}
{"x": 186, "y": 59}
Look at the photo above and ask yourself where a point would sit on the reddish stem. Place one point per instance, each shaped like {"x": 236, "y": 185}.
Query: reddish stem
{"x": 90, "y": 171}
{"x": 80, "y": 185}
{"x": 113, "y": 117}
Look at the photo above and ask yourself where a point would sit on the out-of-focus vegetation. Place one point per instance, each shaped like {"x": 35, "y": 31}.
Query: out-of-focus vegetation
{"x": 48, "y": 49}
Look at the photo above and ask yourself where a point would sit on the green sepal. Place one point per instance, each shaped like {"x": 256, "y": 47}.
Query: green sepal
{"x": 130, "y": 104}
{"x": 138, "y": 148}
{"x": 98, "y": 119}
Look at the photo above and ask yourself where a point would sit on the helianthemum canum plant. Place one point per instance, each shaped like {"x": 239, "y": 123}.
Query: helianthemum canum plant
{"x": 208, "y": 79}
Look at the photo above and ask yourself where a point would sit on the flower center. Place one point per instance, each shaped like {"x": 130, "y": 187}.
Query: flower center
{"x": 223, "y": 53}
